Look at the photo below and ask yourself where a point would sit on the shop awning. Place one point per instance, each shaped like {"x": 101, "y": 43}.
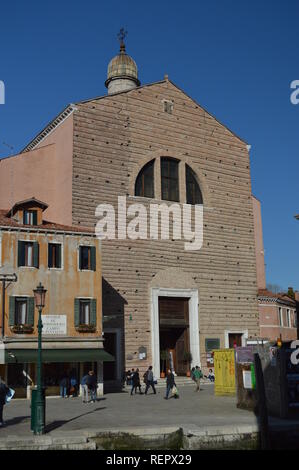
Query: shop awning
{"x": 14, "y": 356}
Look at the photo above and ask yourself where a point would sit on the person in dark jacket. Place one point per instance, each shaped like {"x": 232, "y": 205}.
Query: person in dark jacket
{"x": 4, "y": 390}
{"x": 92, "y": 385}
{"x": 150, "y": 380}
{"x": 136, "y": 382}
{"x": 169, "y": 383}
{"x": 64, "y": 386}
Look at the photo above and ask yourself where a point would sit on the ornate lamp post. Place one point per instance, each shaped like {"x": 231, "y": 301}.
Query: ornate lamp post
{"x": 39, "y": 411}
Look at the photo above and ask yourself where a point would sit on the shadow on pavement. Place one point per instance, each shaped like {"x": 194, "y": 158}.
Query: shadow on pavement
{"x": 14, "y": 421}
{"x": 57, "y": 424}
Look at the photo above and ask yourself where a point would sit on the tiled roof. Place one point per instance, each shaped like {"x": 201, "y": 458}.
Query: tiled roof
{"x": 46, "y": 225}
{"x": 281, "y": 296}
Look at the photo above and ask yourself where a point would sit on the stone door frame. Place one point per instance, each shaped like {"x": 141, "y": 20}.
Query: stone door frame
{"x": 192, "y": 294}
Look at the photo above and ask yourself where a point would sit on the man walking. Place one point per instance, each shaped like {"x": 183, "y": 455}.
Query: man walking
{"x": 150, "y": 380}
{"x": 136, "y": 382}
{"x": 92, "y": 385}
{"x": 170, "y": 383}
{"x": 84, "y": 383}
{"x": 197, "y": 376}
{"x": 4, "y": 390}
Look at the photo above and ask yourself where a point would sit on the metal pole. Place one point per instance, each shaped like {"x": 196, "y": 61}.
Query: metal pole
{"x": 3, "y": 306}
{"x": 40, "y": 411}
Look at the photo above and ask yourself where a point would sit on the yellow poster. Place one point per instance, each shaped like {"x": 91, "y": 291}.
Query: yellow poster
{"x": 224, "y": 363}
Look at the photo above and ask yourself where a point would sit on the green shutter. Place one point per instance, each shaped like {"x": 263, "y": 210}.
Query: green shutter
{"x": 35, "y": 254}
{"x": 58, "y": 256}
{"x": 77, "y": 312}
{"x": 50, "y": 261}
{"x": 80, "y": 258}
{"x": 30, "y": 311}
{"x": 93, "y": 258}
{"x": 12, "y": 310}
{"x": 21, "y": 253}
{"x": 93, "y": 312}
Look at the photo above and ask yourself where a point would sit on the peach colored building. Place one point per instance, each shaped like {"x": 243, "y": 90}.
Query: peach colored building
{"x": 67, "y": 261}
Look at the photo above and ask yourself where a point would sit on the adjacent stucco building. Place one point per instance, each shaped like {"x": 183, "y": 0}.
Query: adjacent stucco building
{"x": 67, "y": 261}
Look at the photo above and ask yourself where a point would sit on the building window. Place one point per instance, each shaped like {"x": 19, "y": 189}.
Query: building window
{"x": 280, "y": 315}
{"x": 54, "y": 255}
{"x": 193, "y": 192}
{"x": 144, "y": 186}
{"x": 21, "y": 312}
{"x": 28, "y": 254}
{"x": 168, "y": 106}
{"x": 170, "y": 179}
{"x": 289, "y": 318}
{"x": 295, "y": 319}
{"x": 87, "y": 258}
{"x": 29, "y": 217}
{"x": 85, "y": 314}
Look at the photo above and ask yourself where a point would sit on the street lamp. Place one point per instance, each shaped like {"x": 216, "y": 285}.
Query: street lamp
{"x": 38, "y": 407}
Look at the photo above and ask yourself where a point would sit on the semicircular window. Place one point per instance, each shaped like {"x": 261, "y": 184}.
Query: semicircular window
{"x": 193, "y": 191}
{"x": 144, "y": 185}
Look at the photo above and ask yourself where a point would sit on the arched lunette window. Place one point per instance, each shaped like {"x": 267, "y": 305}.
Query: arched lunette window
{"x": 145, "y": 181}
{"x": 193, "y": 191}
{"x": 170, "y": 179}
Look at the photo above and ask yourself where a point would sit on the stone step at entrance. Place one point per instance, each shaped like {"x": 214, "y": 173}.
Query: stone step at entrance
{"x": 180, "y": 382}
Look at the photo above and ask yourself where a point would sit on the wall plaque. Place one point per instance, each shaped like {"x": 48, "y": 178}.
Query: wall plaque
{"x": 54, "y": 325}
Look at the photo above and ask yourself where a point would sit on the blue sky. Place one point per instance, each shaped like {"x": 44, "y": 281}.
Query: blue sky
{"x": 236, "y": 58}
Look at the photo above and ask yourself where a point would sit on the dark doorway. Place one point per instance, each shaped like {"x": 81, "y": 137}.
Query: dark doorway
{"x": 235, "y": 340}
{"x": 110, "y": 347}
{"x": 174, "y": 334}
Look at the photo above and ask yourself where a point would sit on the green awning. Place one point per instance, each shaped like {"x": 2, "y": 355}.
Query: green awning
{"x": 13, "y": 356}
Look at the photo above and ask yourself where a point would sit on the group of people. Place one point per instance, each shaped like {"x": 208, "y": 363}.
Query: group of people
{"x": 133, "y": 380}
{"x": 69, "y": 387}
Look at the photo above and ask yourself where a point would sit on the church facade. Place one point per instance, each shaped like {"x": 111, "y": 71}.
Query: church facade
{"x": 163, "y": 305}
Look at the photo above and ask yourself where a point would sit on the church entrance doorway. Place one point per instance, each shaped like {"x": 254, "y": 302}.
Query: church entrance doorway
{"x": 174, "y": 334}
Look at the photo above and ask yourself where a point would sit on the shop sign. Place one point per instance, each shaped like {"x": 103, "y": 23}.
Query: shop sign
{"x": 54, "y": 325}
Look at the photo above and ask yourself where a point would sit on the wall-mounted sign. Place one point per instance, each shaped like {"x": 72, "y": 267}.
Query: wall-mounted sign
{"x": 247, "y": 379}
{"x": 142, "y": 352}
{"x": 54, "y": 325}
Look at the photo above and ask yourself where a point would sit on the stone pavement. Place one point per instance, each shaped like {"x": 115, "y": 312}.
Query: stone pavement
{"x": 194, "y": 421}
{"x": 120, "y": 410}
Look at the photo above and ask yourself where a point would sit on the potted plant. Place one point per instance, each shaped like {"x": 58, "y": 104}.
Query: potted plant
{"x": 163, "y": 357}
{"x": 188, "y": 360}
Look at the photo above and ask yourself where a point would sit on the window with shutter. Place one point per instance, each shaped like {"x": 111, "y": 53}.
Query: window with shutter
{"x": 21, "y": 253}
{"x": 85, "y": 258}
{"x": 36, "y": 254}
{"x": 54, "y": 255}
{"x": 12, "y": 309}
{"x": 93, "y": 312}
{"x": 93, "y": 258}
{"x": 77, "y": 312}
{"x": 30, "y": 311}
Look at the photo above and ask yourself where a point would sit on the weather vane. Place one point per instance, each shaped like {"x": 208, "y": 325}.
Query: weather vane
{"x": 121, "y": 36}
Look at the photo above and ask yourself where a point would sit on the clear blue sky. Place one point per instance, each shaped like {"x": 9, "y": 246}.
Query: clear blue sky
{"x": 236, "y": 58}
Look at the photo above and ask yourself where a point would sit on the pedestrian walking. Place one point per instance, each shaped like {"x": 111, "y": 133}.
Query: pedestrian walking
{"x": 128, "y": 377}
{"x": 197, "y": 377}
{"x": 170, "y": 383}
{"x": 84, "y": 383}
{"x": 136, "y": 382}
{"x": 73, "y": 385}
{"x": 92, "y": 386}
{"x": 64, "y": 386}
{"x": 192, "y": 374}
{"x": 4, "y": 390}
{"x": 150, "y": 380}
